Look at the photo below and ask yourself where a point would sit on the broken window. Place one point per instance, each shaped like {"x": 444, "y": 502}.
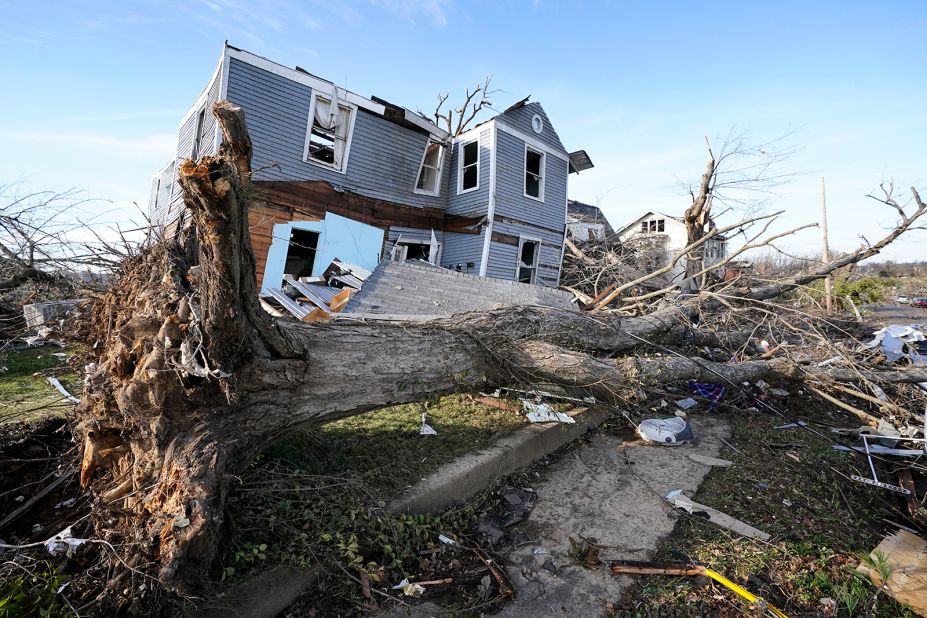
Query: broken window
{"x": 300, "y": 255}
{"x": 198, "y": 135}
{"x": 413, "y": 250}
{"x": 529, "y": 251}
{"x": 329, "y": 134}
{"x": 534, "y": 174}
{"x": 429, "y": 176}
{"x": 469, "y": 166}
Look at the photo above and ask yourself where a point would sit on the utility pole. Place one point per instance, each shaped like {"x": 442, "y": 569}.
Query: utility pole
{"x": 825, "y": 254}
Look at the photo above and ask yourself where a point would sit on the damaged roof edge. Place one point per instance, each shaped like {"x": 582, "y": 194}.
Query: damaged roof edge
{"x": 303, "y": 76}
{"x": 580, "y": 162}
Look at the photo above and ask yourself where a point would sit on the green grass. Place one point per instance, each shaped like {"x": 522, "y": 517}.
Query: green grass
{"x": 319, "y": 498}
{"x": 26, "y": 397}
{"x": 821, "y": 523}
{"x": 384, "y": 447}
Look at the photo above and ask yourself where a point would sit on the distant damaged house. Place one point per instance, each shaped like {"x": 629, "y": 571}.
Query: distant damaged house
{"x": 586, "y": 222}
{"x": 358, "y": 179}
{"x": 668, "y": 236}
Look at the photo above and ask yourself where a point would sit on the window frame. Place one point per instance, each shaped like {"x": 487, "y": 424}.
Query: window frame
{"x": 347, "y": 139}
{"x": 438, "y": 171}
{"x": 541, "y": 176}
{"x": 537, "y": 259}
{"x": 401, "y": 246}
{"x": 460, "y": 166}
{"x": 198, "y": 133}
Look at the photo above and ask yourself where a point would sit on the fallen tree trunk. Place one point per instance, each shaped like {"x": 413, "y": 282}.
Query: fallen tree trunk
{"x": 194, "y": 379}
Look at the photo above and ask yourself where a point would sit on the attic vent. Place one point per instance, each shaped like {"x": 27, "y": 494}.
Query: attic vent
{"x": 537, "y": 123}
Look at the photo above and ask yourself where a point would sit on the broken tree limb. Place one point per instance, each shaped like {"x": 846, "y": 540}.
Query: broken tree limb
{"x": 193, "y": 379}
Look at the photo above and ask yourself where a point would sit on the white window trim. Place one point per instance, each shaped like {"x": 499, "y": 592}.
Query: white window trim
{"x": 460, "y": 160}
{"x": 437, "y": 191}
{"x": 347, "y": 143}
{"x": 543, "y": 170}
{"x": 537, "y": 257}
{"x": 402, "y": 245}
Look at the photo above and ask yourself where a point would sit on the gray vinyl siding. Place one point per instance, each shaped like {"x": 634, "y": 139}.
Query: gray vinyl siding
{"x": 473, "y": 203}
{"x": 208, "y": 147}
{"x": 520, "y": 119}
{"x": 461, "y": 249}
{"x": 383, "y": 160}
{"x": 502, "y": 257}
{"x": 153, "y": 215}
{"x": 501, "y": 261}
{"x": 160, "y": 198}
{"x": 510, "y": 185}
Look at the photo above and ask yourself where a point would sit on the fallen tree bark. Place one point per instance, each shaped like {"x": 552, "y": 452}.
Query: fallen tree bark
{"x": 194, "y": 379}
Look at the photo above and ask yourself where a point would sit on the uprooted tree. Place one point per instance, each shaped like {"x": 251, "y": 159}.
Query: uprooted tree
{"x": 193, "y": 379}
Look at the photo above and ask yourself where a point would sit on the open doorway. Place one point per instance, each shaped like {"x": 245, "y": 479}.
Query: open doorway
{"x": 300, "y": 255}
{"x": 529, "y": 252}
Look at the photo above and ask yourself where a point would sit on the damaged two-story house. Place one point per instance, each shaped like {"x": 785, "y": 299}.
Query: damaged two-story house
{"x": 360, "y": 179}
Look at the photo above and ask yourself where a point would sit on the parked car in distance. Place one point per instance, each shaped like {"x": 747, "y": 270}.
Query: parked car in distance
{"x": 902, "y": 300}
{"x": 920, "y": 301}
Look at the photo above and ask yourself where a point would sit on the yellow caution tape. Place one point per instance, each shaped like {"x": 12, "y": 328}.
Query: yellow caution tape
{"x": 721, "y": 579}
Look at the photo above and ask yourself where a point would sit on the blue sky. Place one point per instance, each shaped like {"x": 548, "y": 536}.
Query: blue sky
{"x": 93, "y": 91}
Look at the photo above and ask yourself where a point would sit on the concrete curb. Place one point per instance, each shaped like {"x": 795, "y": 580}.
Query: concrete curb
{"x": 472, "y": 473}
{"x": 263, "y": 596}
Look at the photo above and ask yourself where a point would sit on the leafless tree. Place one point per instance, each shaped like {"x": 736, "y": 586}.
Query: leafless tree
{"x": 741, "y": 177}
{"x": 458, "y": 119}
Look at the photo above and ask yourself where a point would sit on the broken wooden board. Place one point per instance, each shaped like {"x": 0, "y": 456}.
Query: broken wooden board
{"x": 906, "y": 556}
{"x": 341, "y": 299}
{"x": 716, "y": 517}
{"x": 710, "y": 461}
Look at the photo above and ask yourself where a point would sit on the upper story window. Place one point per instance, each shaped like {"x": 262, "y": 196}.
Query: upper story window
{"x": 469, "y": 172}
{"x": 329, "y": 137}
{"x": 429, "y": 176}
{"x": 654, "y": 225}
{"x": 198, "y": 135}
{"x": 534, "y": 174}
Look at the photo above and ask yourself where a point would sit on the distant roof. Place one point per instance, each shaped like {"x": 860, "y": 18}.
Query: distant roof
{"x": 587, "y": 213}
{"x": 420, "y": 289}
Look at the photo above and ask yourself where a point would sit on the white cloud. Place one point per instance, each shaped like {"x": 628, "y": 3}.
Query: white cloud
{"x": 435, "y": 10}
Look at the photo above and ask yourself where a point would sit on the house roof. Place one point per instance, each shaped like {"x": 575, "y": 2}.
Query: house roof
{"x": 395, "y": 113}
{"x": 587, "y": 213}
{"x": 419, "y": 288}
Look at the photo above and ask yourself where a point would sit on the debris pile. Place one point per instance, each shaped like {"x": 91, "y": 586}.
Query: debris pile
{"x": 315, "y": 299}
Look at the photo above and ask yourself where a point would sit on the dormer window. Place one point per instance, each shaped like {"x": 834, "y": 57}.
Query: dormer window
{"x": 534, "y": 174}
{"x": 329, "y": 137}
{"x": 469, "y": 172}
{"x": 429, "y": 175}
